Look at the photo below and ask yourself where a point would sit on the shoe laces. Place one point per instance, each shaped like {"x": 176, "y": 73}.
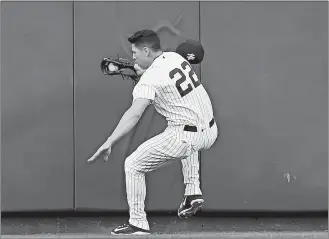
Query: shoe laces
{"x": 123, "y": 226}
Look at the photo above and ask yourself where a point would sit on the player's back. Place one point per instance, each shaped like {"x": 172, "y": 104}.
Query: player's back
{"x": 180, "y": 96}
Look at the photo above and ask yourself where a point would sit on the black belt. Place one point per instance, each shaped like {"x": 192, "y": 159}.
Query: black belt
{"x": 195, "y": 129}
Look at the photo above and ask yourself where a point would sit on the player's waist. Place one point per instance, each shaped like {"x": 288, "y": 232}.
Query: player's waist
{"x": 193, "y": 128}
{"x": 192, "y": 120}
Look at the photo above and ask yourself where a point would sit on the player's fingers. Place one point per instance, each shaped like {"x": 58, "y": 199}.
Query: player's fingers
{"x": 106, "y": 158}
{"x": 91, "y": 159}
{"x": 107, "y": 154}
{"x": 138, "y": 69}
{"x": 95, "y": 156}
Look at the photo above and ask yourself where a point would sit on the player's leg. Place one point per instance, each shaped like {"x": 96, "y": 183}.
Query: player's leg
{"x": 191, "y": 165}
{"x": 191, "y": 174}
{"x": 192, "y": 200}
{"x": 135, "y": 169}
{"x": 152, "y": 154}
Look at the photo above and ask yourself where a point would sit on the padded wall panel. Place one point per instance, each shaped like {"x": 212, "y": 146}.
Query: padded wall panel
{"x": 37, "y": 161}
{"x": 266, "y": 70}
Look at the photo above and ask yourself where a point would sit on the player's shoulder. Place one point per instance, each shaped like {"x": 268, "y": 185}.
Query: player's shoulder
{"x": 161, "y": 67}
{"x": 173, "y": 55}
{"x": 166, "y": 61}
{"x": 150, "y": 75}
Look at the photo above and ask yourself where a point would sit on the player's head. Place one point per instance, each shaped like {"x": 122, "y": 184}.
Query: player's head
{"x": 145, "y": 46}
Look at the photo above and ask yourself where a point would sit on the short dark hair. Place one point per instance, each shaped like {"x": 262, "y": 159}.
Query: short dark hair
{"x": 147, "y": 38}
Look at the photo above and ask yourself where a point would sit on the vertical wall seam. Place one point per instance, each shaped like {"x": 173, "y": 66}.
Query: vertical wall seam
{"x": 200, "y": 164}
{"x": 74, "y": 132}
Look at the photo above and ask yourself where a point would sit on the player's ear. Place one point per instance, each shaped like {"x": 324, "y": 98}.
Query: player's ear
{"x": 146, "y": 51}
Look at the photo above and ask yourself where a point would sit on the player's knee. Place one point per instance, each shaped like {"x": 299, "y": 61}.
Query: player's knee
{"x": 129, "y": 165}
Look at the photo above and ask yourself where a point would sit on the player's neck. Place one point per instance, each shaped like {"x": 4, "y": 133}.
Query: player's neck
{"x": 154, "y": 56}
{"x": 157, "y": 54}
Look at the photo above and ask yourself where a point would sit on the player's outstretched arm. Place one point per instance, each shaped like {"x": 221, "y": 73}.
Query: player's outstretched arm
{"x": 127, "y": 122}
{"x": 129, "y": 119}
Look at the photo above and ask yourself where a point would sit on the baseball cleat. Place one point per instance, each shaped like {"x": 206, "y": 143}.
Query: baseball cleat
{"x": 127, "y": 229}
{"x": 190, "y": 205}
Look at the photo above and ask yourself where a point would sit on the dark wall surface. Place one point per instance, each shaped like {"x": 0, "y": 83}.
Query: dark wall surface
{"x": 266, "y": 70}
{"x": 37, "y": 163}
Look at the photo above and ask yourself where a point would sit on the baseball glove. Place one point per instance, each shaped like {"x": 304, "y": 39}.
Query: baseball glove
{"x": 119, "y": 66}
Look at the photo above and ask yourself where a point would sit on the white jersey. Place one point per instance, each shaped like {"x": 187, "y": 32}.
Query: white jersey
{"x": 175, "y": 91}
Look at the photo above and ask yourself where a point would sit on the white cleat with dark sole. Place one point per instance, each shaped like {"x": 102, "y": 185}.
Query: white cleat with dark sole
{"x": 190, "y": 206}
{"x": 127, "y": 229}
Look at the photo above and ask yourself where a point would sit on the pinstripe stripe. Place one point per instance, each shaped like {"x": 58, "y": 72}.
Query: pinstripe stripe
{"x": 143, "y": 91}
{"x": 190, "y": 169}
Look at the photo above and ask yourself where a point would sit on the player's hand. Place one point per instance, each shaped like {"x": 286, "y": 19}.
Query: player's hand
{"x": 104, "y": 151}
{"x": 139, "y": 70}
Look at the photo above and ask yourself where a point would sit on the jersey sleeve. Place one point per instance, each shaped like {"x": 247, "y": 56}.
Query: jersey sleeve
{"x": 143, "y": 91}
{"x": 145, "y": 88}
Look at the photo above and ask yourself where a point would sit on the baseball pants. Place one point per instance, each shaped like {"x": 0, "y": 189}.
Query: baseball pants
{"x": 173, "y": 144}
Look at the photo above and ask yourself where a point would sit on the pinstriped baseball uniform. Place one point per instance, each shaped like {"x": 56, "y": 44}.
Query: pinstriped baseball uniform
{"x": 177, "y": 94}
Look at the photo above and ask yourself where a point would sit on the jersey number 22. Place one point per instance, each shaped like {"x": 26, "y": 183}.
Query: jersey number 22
{"x": 182, "y": 79}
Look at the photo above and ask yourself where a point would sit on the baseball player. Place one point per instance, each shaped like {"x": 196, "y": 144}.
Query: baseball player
{"x": 172, "y": 87}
